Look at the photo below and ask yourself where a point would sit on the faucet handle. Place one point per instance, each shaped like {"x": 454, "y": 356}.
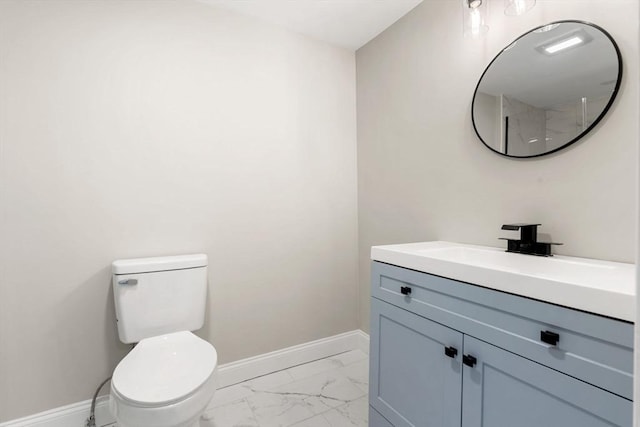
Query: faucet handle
{"x": 528, "y": 232}
{"x": 516, "y": 227}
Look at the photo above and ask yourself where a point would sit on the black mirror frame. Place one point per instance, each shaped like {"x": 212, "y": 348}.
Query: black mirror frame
{"x": 595, "y": 122}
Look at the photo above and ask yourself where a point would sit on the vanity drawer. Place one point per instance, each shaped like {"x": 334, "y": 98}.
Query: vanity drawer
{"x": 595, "y": 349}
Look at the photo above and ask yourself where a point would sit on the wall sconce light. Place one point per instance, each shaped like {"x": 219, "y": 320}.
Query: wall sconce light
{"x": 518, "y": 7}
{"x": 474, "y": 17}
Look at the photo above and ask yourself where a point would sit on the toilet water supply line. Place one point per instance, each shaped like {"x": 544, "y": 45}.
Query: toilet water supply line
{"x": 91, "y": 421}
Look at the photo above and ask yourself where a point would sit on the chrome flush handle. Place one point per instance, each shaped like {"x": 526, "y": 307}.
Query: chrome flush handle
{"x": 129, "y": 282}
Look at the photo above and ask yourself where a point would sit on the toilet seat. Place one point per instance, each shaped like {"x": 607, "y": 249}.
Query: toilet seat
{"x": 165, "y": 369}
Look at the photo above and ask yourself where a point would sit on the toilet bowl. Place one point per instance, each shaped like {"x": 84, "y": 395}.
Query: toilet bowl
{"x": 169, "y": 377}
{"x": 165, "y": 381}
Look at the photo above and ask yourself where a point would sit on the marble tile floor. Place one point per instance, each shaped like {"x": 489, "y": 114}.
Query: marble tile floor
{"x": 329, "y": 392}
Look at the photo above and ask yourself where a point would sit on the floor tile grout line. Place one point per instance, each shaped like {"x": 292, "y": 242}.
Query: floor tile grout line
{"x": 253, "y": 414}
{"x": 349, "y": 402}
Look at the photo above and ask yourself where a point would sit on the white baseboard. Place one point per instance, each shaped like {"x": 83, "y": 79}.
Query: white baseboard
{"x": 246, "y": 369}
{"x": 363, "y": 341}
{"x": 76, "y": 414}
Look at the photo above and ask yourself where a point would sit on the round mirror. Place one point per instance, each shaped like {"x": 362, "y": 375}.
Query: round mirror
{"x": 547, "y": 89}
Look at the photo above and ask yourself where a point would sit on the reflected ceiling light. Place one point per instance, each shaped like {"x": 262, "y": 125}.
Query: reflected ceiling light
{"x": 518, "y": 7}
{"x": 564, "y": 44}
{"x": 474, "y": 16}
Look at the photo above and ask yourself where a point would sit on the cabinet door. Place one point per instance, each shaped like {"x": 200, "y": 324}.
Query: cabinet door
{"x": 504, "y": 389}
{"x": 377, "y": 420}
{"x": 413, "y": 381}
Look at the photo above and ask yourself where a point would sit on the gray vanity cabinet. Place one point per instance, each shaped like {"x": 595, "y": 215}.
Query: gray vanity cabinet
{"x": 504, "y": 389}
{"x": 416, "y": 380}
{"x": 446, "y": 353}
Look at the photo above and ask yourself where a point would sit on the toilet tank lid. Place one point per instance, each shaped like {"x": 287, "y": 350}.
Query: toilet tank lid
{"x": 165, "y": 263}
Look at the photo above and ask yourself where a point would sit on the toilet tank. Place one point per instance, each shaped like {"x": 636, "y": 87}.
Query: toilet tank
{"x": 155, "y": 296}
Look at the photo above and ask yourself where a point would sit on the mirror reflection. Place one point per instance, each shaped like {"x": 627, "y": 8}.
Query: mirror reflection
{"x": 547, "y": 89}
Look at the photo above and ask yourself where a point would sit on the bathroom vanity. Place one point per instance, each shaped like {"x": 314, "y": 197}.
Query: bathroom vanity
{"x": 471, "y": 336}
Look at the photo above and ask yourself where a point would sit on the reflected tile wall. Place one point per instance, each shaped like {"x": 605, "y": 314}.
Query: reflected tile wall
{"x": 565, "y": 122}
{"x": 527, "y": 127}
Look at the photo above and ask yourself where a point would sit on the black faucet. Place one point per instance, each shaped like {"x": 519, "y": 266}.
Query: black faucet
{"x": 528, "y": 242}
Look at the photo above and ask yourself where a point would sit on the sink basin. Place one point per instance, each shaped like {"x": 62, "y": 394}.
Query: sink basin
{"x": 601, "y": 287}
{"x": 499, "y": 259}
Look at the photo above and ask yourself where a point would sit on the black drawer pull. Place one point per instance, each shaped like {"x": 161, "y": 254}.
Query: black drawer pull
{"x": 549, "y": 337}
{"x": 469, "y": 360}
{"x": 451, "y": 352}
{"x": 405, "y": 290}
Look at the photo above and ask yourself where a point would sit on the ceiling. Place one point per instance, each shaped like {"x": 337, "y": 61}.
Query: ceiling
{"x": 346, "y": 23}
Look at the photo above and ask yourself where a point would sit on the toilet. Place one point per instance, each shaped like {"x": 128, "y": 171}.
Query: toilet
{"x": 169, "y": 377}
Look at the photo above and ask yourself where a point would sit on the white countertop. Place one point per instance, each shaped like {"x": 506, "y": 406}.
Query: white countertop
{"x": 602, "y": 287}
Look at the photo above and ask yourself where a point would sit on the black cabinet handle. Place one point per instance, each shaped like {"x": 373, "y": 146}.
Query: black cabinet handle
{"x": 469, "y": 360}
{"x": 549, "y": 337}
{"x": 451, "y": 352}
{"x": 405, "y": 290}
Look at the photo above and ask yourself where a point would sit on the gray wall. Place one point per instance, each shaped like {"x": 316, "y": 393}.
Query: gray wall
{"x": 422, "y": 173}
{"x": 144, "y": 128}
